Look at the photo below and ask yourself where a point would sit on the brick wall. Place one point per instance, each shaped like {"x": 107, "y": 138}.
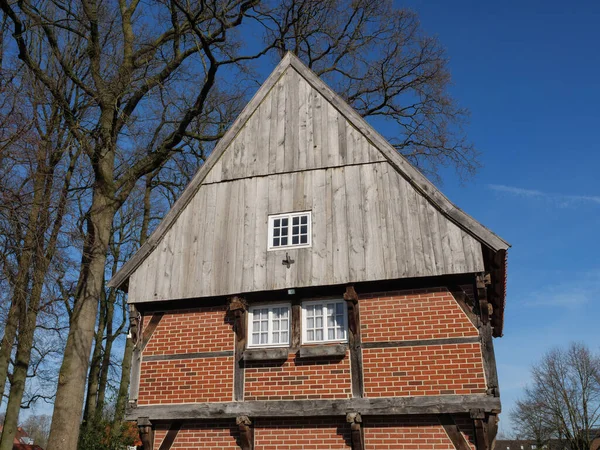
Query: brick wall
{"x": 423, "y": 370}
{"x": 186, "y": 381}
{"x": 302, "y": 434}
{"x": 208, "y": 435}
{"x": 416, "y": 432}
{"x": 413, "y": 315}
{"x": 296, "y": 379}
{"x": 191, "y": 331}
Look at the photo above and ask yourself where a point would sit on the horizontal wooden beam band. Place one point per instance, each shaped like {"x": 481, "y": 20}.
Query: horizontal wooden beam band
{"x": 319, "y": 351}
{"x": 434, "y": 404}
{"x": 421, "y": 342}
{"x": 187, "y": 356}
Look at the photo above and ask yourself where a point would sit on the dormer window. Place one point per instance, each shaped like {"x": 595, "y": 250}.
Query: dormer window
{"x": 290, "y": 230}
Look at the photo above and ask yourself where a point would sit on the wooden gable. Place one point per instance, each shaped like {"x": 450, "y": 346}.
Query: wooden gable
{"x": 297, "y": 146}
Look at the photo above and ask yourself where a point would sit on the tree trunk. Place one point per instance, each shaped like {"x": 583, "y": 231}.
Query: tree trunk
{"x": 110, "y": 307}
{"x": 123, "y": 394}
{"x": 10, "y": 332}
{"x": 64, "y": 432}
{"x": 93, "y": 379}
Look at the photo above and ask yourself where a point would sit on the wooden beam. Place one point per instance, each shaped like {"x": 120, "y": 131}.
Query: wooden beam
{"x": 485, "y": 336}
{"x": 238, "y": 307}
{"x": 146, "y": 433}
{"x": 354, "y": 342}
{"x": 135, "y": 326}
{"x": 451, "y": 429}
{"x": 434, "y": 404}
{"x": 167, "y": 442}
{"x": 150, "y": 328}
{"x": 463, "y": 301}
{"x": 357, "y": 437}
{"x": 420, "y": 342}
{"x": 246, "y": 432}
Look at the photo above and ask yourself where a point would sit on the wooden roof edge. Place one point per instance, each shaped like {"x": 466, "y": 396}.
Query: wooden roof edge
{"x": 410, "y": 173}
{"x": 401, "y": 164}
{"x": 165, "y": 224}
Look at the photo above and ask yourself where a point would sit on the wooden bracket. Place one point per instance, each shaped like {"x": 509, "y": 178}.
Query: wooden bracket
{"x": 135, "y": 325}
{"x": 453, "y": 432}
{"x": 351, "y": 298}
{"x": 238, "y": 307}
{"x": 356, "y": 431}
{"x": 146, "y": 433}
{"x": 481, "y": 430}
{"x": 246, "y": 432}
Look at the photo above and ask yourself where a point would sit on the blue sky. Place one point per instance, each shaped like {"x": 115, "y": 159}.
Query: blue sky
{"x": 529, "y": 73}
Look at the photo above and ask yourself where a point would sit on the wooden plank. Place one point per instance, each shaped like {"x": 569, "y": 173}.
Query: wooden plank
{"x": 341, "y": 270}
{"x": 303, "y": 87}
{"x": 434, "y": 404}
{"x": 328, "y": 195}
{"x": 354, "y": 219}
{"x": 333, "y": 145}
{"x": 292, "y": 153}
{"x": 426, "y": 237}
{"x": 310, "y": 127}
{"x": 249, "y": 233}
{"x": 304, "y": 186}
{"x": 342, "y": 138}
{"x": 318, "y": 152}
{"x": 387, "y": 219}
{"x": 374, "y": 263}
{"x": 319, "y": 235}
{"x": 218, "y": 277}
{"x": 274, "y": 124}
{"x": 263, "y": 140}
{"x": 451, "y": 429}
{"x": 410, "y": 257}
{"x": 274, "y": 207}
{"x": 433, "y": 218}
{"x": 456, "y": 248}
{"x": 319, "y": 351}
{"x": 281, "y": 123}
{"x": 205, "y": 246}
{"x": 261, "y": 233}
{"x": 184, "y": 356}
{"x": 421, "y": 342}
{"x": 399, "y": 222}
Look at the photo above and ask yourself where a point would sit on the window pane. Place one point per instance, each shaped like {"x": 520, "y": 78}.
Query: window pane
{"x": 284, "y": 222}
{"x": 303, "y": 240}
{"x": 276, "y": 232}
{"x": 284, "y": 231}
{"x": 284, "y": 240}
{"x": 339, "y": 308}
{"x": 295, "y": 240}
{"x": 284, "y": 337}
{"x": 319, "y": 335}
{"x": 276, "y": 222}
{"x": 304, "y": 220}
{"x": 275, "y": 242}
{"x": 295, "y": 220}
{"x": 310, "y": 335}
{"x": 304, "y": 229}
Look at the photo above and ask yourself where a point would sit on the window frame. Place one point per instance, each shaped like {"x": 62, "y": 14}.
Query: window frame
{"x": 323, "y": 302}
{"x": 289, "y": 216}
{"x": 270, "y": 307}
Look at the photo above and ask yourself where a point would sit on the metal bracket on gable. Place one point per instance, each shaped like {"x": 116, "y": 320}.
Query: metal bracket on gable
{"x": 287, "y": 261}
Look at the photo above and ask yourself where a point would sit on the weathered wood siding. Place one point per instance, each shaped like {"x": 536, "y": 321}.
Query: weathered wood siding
{"x": 295, "y": 128}
{"x": 368, "y": 224}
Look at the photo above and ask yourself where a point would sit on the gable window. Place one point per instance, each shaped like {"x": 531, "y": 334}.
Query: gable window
{"x": 269, "y": 325}
{"x": 289, "y": 230}
{"x": 324, "y": 321}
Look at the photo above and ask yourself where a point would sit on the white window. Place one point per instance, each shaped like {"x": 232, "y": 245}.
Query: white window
{"x": 289, "y": 230}
{"x": 324, "y": 321}
{"x": 269, "y": 325}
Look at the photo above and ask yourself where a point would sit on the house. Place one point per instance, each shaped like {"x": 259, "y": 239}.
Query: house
{"x": 311, "y": 289}
{"x": 22, "y": 441}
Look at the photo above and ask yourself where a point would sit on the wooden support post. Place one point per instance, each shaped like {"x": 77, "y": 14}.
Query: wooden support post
{"x": 451, "y": 429}
{"x": 354, "y": 342}
{"x": 246, "y": 432}
{"x": 480, "y": 425}
{"x": 485, "y": 336}
{"x": 135, "y": 327}
{"x": 146, "y": 433}
{"x": 356, "y": 431}
{"x": 296, "y": 336}
{"x": 239, "y": 308}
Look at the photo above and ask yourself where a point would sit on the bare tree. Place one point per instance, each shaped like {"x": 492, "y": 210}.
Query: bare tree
{"x": 563, "y": 401}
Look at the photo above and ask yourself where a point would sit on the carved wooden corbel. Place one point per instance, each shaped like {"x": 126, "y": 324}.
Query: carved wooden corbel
{"x": 246, "y": 432}
{"x": 481, "y": 429}
{"x": 356, "y": 430}
{"x": 146, "y": 432}
{"x": 351, "y": 298}
{"x": 135, "y": 326}
{"x": 238, "y": 307}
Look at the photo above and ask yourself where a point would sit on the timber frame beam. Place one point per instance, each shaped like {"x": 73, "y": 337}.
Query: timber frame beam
{"x": 435, "y": 404}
